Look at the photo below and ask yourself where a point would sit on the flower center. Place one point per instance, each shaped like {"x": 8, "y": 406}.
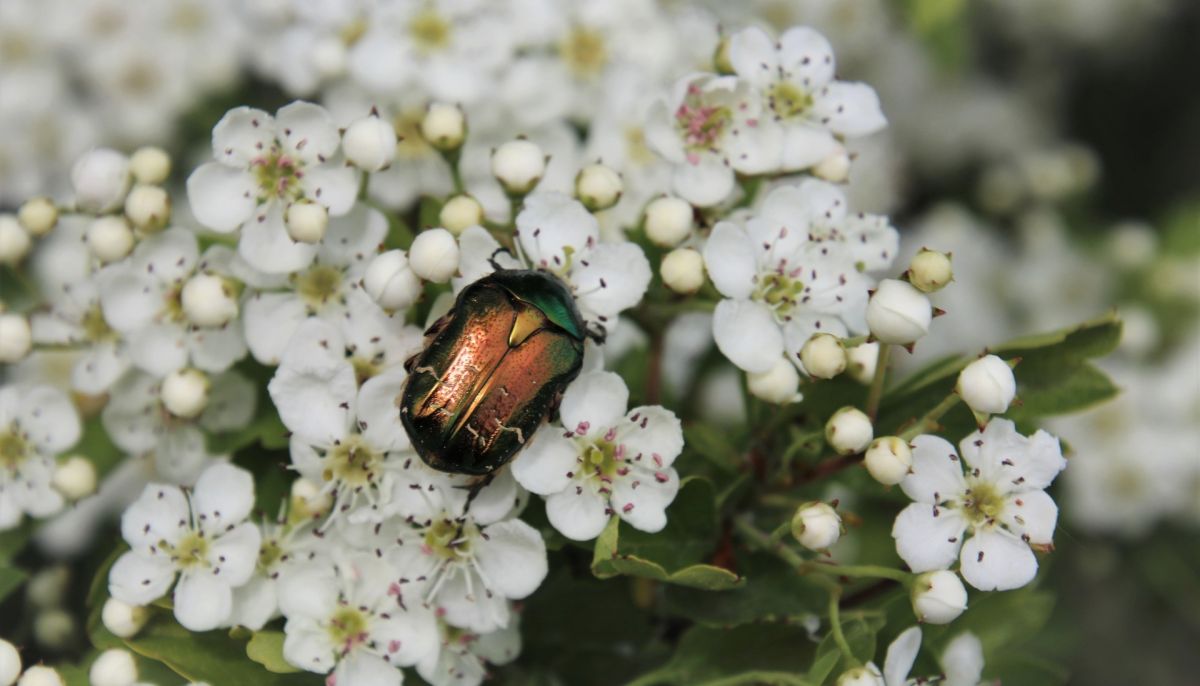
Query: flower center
{"x": 278, "y": 176}
{"x": 584, "y": 51}
{"x": 600, "y": 458}
{"x": 788, "y": 100}
{"x": 429, "y": 30}
{"x": 700, "y": 124}
{"x": 364, "y": 368}
{"x": 982, "y": 504}
{"x": 352, "y": 463}
{"x": 269, "y": 553}
{"x": 14, "y": 449}
{"x": 173, "y": 304}
{"x": 319, "y": 285}
{"x": 348, "y": 628}
{"x": 635, "y": 145}
{"x": 95, "y": 328}
{"x": 780, "y": 292}
{"x": 449, "y": 539}
{"x": 191, "y": 551}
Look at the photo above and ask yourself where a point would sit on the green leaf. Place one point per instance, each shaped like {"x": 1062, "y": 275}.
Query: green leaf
{"x": 96, "y": 445}
{"x": 266, "y": 429}
{"x": 750, "y": 654}
{"x": 11, "y": 579}
{"x": 714, "y": 446}
{"x": 772, "y": 592}
{"x": 13, "y": 541}
{"x": 266, "y": 648}
{"x": 860, "y": 632}
{"x": 672, "y": 555}
{"x": 429, "y": 213}
{"x": 1083, "y": 386}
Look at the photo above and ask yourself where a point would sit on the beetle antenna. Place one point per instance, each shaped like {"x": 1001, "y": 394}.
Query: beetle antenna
{"x": 472, "y": 492}
{"x": 492, "y": 258}
{"x": 598, "y": 334}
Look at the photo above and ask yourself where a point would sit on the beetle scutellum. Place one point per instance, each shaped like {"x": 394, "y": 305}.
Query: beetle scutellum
{"x": 492, "y": 371}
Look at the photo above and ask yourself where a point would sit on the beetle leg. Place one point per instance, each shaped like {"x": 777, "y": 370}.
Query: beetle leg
{"x": 597, "y": 334}
{"x": 473, "y": 491}
{"x": 514, "y": 429}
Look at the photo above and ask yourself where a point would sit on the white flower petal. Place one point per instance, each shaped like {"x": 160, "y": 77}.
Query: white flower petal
{"x": 1032, "y": 514}
{"x": 309, "y": 591}
{"x": 216, "y": 350}
{"x": 755, "y": 146}
{"x": 705, "y": 183}
{"x": 476, "y": 247}
{"x": 936, "y": 473}
{"x": 753, "y": 56}
{"x": 129, "y": 299}
{"x": 169, "y": 256}
{"x": 850, "y": 109}
{"x": 266, "y": 245}
{"x": 612, "y": 277}
{"x": 379, "y": 62}
{"x": 496, "y": 500}
{"x": 746, "y": 333}
{"x": 242, "y": 134}
{"x": 806, "y": 56}
{"x": 997, "y": 561}
{"x": 652, "y": 436}
{"x": 223, "y": 497}
{"x": 254, "y": 603}
{"x": 577, "y": 514}
{"x": 729, "y": 259}
{"x": 203, "y": 601}
{"x": 471, "y": 607}
{"x": 593, "y": 403}
{"x": 378, "y": 415}
{"x": 160, "y": 513}
{"x": 805, "y": 145}
{"x": 642, "y": 497}
{"x": 49, "y": 419}
{"x": 132, "y": 416}
{"x": 545, "y": 464}
{"x": 270, "y": 319}
{"x": 962, "y": 660}
{"x": 98, "y": 368}
{"x": 928, "y": 541}
{"x": 308, "y": 646}
{"x": 180, "y": 454}
{"x": 159, "y": 349}
{"x": 231, "y": 403}
{"x": 1011, "y": 461}
{"x": 549, "y": 224}
{"x": 139, "y": 579}
{"x": 353, "y": 237}
{"x": 314, "y": 387}
{"x": 307, "y": 131}
{"x": 221, "y": 198}
{"x": 368, "y": 670}
{"x": 334, "y": 187}
{"x": 901, "y": 655}
{"x": 512, "y": 558}
{"x": 235, "y": 553}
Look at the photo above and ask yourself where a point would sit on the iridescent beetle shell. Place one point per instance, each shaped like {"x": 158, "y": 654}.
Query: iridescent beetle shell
{"x": 492, "y": 371}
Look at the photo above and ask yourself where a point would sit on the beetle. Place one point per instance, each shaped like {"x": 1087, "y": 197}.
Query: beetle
{"x": 493, "y": 369}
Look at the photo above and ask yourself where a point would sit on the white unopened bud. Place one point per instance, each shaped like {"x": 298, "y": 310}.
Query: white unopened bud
{"x": 122, "y": 619}
{"x": 816, "y": 525}
{"x": 48, "y": 587}
{"x": 598, "y": 187}
{"x": 930, "y": 270}
{"x": 370, "y": 143}
{"x": 309, "y": 499}
{"x": 682, "y": 270}
{"x": 898, "y": 313}
{"x": 434, "y": 255}
{"x": 835, "y": 168}
{"x": 101, "y": 179}
{"x": 862, "y": 360}
{"x": 110, "y": 238}
{"x": 849, "y": 431}
{"x": 10, "y": 663}
{"x": 14, "y": 240}
{"x": 459, "y": 213}
{"x": 113, "y": 667}
{"x": 938, "y": 597}
{"x": 779, "y": 384}
{"x": 15, "y": 337}
{"x": 888, "y": 459}
{"x": 987, "y": 385}
{"x": 306, "y": 222}
{"x": 41, "y": 675}
{"x": 861, "y": 676}
{"x": 185, "y": 393}
{"x": 518, "y": 165}
{"x": 669, "y": 220}
{"x": 150, "y": 165}
{"x": 148, "y": 207}
{"x": 329, "y": 56}
{"x": 75, "y": 477}
{"x": 38, "y": 215}
{"x": 53, "y": 628}
{"x": 444, "y": 126}
{"x": 823, "y": 356}
{"x": 390, "y": 280}
{"x": 209, "y": 301}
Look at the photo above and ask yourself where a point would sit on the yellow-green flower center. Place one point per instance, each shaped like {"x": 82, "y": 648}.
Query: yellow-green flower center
{"x": 584, "y": 51}
{"x": 269, "y": 553}
{"x": 278, "y": 175}
{"x": 788, "y": 100}
{"x": 779, "y": 291}
{"x": 983, "y": 504}
{"x": 319, "y": 285}
{"x": 352, "y": 463}
{"x": 14, "y": 449}
{"x": 600, "y": 457}
{"x": 95, "y": 328}
{"x": 449, "y": 539}
{"x": 190, "y": 551}
{"x": 348, "y": 627}
{"x": 429, "y": 30}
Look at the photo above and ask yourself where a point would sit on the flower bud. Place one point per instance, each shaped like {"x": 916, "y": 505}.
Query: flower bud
{"x": 75, "y": 477}
{"x": 721, "y": 60}
{"x": 150, "y": 165}
{"x": 308, "y": 500}
{"x": 38, "y": 215}
{"x": 329, "y": 56}
{"x": 207, "y": 300}
{"x": 15, "y": 337}
{"x": 779, "y": 384}
{"x": 861, "y": 676}
{"x": 185, "y": 393}
{"x": 835, "y": 168}
{"x": 938, "y": 597}
{"x": 598, "y": 187}
{"x": 148, "y": 207}
{"x": 898, "y": 313}
{"x": 53, "y": 628}
{"x": 434, "y": 255}
{"x": 444, "y": 126}
{"x": 14, "y": 240}
{"x": 889, "y": 460}
{"x": 861, "y": 362}
{"x": 122, "y": 619}
{"x": 682, "y": 270}
{"x": 930, "y": 270}
{"x": 113, "y": 667}
{"x": 390, "y": 280}
{"x": 816, "y": 525}
{"x": 110, "y": 238}
{"x": 823, "y": 356}
{"x": 849, "y": 431}
{"x": 101, "y": 179}
{"x": 987, "y": 385}
{"x": 459, "y": 213}
{"x": 370, "y": 143}
{"x": 48, "y": 587}
{"x": 518, "y": 165}
{"x": 10, "y": 663}
{"x": 41, "y": 675}
{"x": 669, "y": 220}
{"x": 306, "y": 221}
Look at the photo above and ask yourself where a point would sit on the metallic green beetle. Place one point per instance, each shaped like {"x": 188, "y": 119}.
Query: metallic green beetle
{"x": 493, "y": 369}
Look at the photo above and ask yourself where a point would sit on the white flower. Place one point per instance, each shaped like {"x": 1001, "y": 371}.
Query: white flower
{"x": 780, "y": 384}
{"x": 444, "y": 126}
{"x": 938, "y": 597}
{"x": 418, "y": 168}
{"x": 1000, "y": 502}
{"x": 390, "y": 280}
{"x": 804, "y": 110}
{"x": 346, "y": 618}
{"x": 263, "y": 165}
{"x": 101, "y": 179}
{"x": 987, "y": 385}
{"x": 15, "y": 337}
{"x": 602, "y": 460}
{"x": 36, "y": 424}
{"x": 122, "y": 619}
{"x": 76, "y": 319}
{"x": 794, "y": 269}
{"x": 148, "y": 207}
{"x": 285, "y": 547}
{"x": 823, "y": 356}
{"x": 150, "y": 164}
{"x": 113, "y": 667}
{"x": 816, "y": 526}
{"x": 10, "y": 663}
{"x": 464, "y": 656}
{"x": 898, "y": 313}
{"x": 598, "y": 187}
{"x": 204, "y": 539}
{"x": 962, "y": 660}
{"x": 41, "y": 675}
{"x": 110, "y": 238}
{"x": 14, "y": 240}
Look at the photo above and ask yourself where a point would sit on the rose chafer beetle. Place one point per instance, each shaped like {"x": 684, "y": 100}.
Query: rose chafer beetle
{"x": 492, "y": 371}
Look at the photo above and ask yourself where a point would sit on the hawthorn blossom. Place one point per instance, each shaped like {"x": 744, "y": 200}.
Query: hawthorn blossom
{"x": 36, "y": 424}
{"x": 285, "y": 547}
{"x": 464, "y": 656}
{"x": 962, "y": 662}
{"x": 1000, "y": 502}
{"x": 202, "y": 538}
{"x": 602, "y": 460}
{"x": 75, "y": 319}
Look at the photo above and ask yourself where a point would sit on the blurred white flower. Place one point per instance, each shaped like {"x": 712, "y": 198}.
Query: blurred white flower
{"x": 36, "y": 424}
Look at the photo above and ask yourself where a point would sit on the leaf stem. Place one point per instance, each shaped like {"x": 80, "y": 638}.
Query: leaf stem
{"x": 772, "y": 544}
{"x": 861, "y": 571}
{"x": 929, "y": 421}
{"x": 835, "y": 624}
{"x": 876, "y": 392}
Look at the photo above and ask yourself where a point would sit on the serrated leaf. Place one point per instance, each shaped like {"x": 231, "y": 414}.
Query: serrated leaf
{"x": 266, "y": 648}
{"x": 772, "y": 592}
